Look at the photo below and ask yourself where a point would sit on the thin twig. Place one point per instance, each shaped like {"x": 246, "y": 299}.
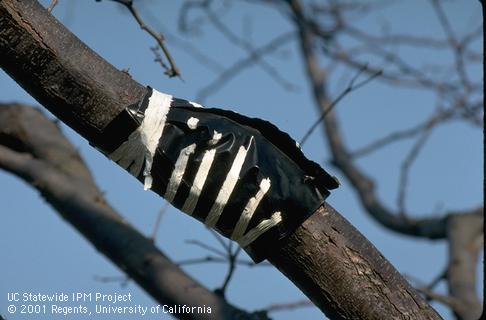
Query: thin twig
{"x": 172, "y": 70}
{"x": 213, "y": 259}
{"x": 449, "y": 301}
{"x": 207, "y": 247}
{"x": 219, "y": 238}
{"x": 244, "y": 63}
{"x": 430, "y": 295}
{"x": 405, "y": 168}
{"x": 187, "y": 46}
{"x": 158, "y": 57}
{"x": 396, "y": 39}
{"x": 441, "y": 276}
{"x": 158, "y": 220}
{"x": 437, "y": 118}
{"x": 288, "y": 306}
{"x": 123, "y": 280}
{"x": 351, "y": 86}
{"x": 391, "y": 77}
{"x": 232, "y": 257}
{"x": 455, "y": 45}
{"x": 249, "y": 49}
{"x": 205, "y": 60}
{"x": 51, "y": 5}
{"x": 205, "y": 259}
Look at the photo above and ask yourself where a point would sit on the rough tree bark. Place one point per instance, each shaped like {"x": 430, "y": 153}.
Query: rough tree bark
{"x": 329, "y": 260}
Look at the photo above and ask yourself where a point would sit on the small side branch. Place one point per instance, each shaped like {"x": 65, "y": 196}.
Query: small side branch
{"x": 51, "y": 5}
{"x": 248, "y": 61}
{"x": 160, "y": 214}
{"x": 171, "y": 70}
{"x": 288, "y": 306}
{"x": 405, "y": 169}
{"x": 351, "y": 87}
{"x": 232, "y": 262}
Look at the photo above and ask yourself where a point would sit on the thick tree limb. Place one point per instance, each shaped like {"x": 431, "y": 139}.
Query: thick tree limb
{"x": 34, "y": 149}
{"x": 344, "y": 264}
{"x": 87, "y": 93}
{"x": 465, "y": 233}
{"x": 60, "y": 71}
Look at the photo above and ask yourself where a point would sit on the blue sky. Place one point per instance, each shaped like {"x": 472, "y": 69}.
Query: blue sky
{"x": 42, "y": 253}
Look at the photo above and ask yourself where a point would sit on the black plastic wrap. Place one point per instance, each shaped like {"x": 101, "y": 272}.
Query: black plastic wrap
{"x": 298, "y": 186}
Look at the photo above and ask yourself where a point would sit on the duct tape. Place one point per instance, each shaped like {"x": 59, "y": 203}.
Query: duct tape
{"x": 241, "y": 176}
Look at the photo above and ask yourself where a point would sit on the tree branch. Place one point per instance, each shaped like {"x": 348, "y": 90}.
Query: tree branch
{"x": 254, "y": 56}
{"x": 351, "y": 87}
{"x": 332, "y": 263}
{"x": 433, "y": 228}
{"x": 172, "y": 70}
{"x": 463, "y": 233}
{"x": 457, "y": 227}
{"x": 346, "y": 260}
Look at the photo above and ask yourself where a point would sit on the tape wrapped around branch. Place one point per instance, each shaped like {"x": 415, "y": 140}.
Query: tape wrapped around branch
{"x": 241, "y": 176}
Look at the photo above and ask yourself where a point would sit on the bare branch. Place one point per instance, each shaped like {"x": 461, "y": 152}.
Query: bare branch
{"x": 277, "y": 307}
{"x": 172, "y": 70}
{"x": 463, "y": 232}
{"x": 351, "y": 87}
{"x": 405, "y": 168}
{"x": 249, "y": 49}
{"x": 212, "y": 259}
{"x": 206, "y": 259}
{"x": 415, "y": 80}
{"x": 455, "y": 304}
{"x": 232, "y": 258}
{"x": 397, "y": 39}
{"x": 124, "y": 280}
{"x": 402, "y": 134}
{"x": 444, "y": 299}
{"x": 162, "y": 211}
{"x": 455, "y": 45}
{"x": 463, "y": 262}
{"x": 441, "y": 276}
{"x": 240, "y": 65}
{"x": 222, "y": 241}
{"x": 198, "y": 56}
{"x": 51, "y": 5}
{"x": 426, "y": 227}
{"x": 206, "y": 247}
{"x": 341, "y": 248}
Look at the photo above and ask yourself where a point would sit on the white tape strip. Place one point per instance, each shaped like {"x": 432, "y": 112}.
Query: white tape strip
{"x": 249, "y": 210}
{"x": 201, "y": 175}
{"x": 260, "y": 229}
{"x": 142, "y": 143}
{"x": 195, "y": 104}
{"x": 192, "y": 123}
{"x": 152, "y": 127}
{"x": 216, "y": 137}
{"x": 228, "y": 186}
{"x": 178, "y": 173}
{"x": 129, "y": 154}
